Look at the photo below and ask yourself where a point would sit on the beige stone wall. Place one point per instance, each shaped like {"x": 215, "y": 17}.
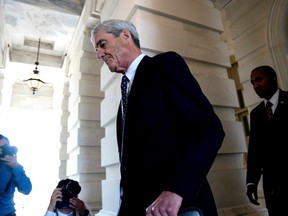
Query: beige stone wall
{"x": 257, "y": 30}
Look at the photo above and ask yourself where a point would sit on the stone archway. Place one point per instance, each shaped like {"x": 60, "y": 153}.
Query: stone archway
{"x": 277, "y": 30}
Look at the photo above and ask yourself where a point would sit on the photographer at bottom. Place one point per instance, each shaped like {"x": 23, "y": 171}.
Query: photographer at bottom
{"x": 64, "y": 200}
{"x": 12, "y": 176}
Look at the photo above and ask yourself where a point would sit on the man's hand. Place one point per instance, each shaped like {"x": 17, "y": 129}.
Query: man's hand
{"x": 79, "y": 206}
{"x": 167, "y": 204}
{"x": 56, "y": 196}
{"x": 11, "y": 161}
{"x": 252, "y": 194}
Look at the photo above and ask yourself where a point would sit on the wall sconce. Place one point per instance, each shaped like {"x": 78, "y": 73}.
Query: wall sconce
{"x": 34, "y": 82}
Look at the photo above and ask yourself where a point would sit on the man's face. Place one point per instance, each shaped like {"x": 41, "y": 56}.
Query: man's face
{"x": 262, "y": 85}
{"x": 2, "y": 142}
{"x": 112, "y": 50}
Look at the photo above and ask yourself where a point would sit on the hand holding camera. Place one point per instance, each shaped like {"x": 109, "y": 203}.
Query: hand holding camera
{"x": 69, "y": 189}
{"x": 79, "y": 206}
{"x": 8, "y": 155}
{"x": 55, "y": 197}
{"x": 65, "y": 199}
{"x": 8, "y": 150}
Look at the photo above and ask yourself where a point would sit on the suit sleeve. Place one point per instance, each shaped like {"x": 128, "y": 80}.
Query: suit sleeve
{"x": 197, "y": 127}
{"x": 254, "y": 168}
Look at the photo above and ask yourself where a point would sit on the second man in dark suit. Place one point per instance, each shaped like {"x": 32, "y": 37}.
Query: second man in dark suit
{"x": 267, "y": 150}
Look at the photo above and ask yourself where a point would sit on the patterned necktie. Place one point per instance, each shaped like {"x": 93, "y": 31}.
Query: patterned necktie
{"x": 124, "y": 102}
{"x": 124, "y": 93}
{"x": 269, "y": 110}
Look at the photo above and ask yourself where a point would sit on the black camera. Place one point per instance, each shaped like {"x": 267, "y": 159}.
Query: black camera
{"x": 8, "y": 150}
{"x": 70, "y": 189}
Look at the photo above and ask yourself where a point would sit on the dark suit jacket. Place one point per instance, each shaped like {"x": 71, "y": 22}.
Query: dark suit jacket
{"x": 267, "y": 152}
{"x": 171, "y": 139}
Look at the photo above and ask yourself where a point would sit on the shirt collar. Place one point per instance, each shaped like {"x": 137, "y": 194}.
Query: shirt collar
{"x": 132, "y": 68}
{"x": 274, "y": 99}
{"x": 62, "y": 214}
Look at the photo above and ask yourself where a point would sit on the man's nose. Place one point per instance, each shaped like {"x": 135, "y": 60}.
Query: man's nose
{"x": 100, "y": 53}
{"x": 256, "y": 85}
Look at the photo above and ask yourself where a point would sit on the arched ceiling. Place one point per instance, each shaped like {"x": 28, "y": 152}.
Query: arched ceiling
{"x": 54, "y": 21}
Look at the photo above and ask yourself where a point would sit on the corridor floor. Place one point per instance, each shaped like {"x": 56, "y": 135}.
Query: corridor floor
{"x": 246, "y": 210}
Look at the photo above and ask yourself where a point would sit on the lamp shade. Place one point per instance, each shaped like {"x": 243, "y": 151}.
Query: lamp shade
{"x": 34, "y": 82}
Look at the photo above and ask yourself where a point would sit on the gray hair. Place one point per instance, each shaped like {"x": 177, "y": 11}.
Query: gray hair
{"x": 115, "y": 27}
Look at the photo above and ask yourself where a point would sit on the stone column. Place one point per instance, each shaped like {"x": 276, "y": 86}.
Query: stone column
{"x": 63, "y": 155}
{"x": 85, "y": 131}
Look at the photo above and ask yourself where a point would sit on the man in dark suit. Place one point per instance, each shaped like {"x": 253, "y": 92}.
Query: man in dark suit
{"x": 267, "y": 148}
{"x": 171, "y": 134}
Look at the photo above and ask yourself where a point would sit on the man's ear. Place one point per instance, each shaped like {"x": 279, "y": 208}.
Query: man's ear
{"x": 125, "y": 35}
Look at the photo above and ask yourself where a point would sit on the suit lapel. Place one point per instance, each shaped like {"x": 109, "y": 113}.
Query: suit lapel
{"x": 282, "y": 105}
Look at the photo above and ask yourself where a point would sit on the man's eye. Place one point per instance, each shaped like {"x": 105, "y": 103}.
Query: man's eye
{"x": 102, "y": 45}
